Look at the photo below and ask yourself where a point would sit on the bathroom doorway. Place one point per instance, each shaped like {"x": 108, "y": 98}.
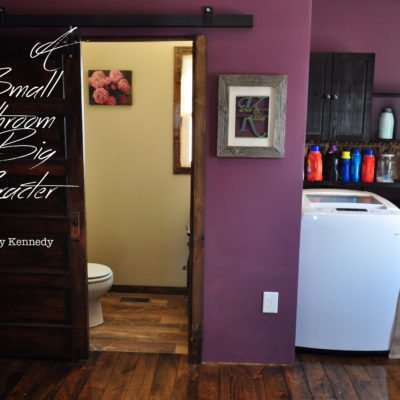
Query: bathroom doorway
{"x": 137, "y": 209}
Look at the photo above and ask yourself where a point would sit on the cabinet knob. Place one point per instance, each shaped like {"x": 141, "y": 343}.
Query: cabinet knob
{"x": 335, "y": 97}
{"x": 328, "y": 96}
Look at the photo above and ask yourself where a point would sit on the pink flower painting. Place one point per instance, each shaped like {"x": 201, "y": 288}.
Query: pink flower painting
{"x": 110, "y": 87}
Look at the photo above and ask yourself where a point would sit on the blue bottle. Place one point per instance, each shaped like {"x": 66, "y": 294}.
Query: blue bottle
{"x": 345, "y": 166}
{"x": 355, "y": 165}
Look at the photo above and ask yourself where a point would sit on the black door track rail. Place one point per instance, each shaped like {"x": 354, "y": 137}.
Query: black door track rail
{"x": 205, "y": 20}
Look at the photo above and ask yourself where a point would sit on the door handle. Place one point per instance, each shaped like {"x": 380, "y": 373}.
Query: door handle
{"x": 74, "y": 224}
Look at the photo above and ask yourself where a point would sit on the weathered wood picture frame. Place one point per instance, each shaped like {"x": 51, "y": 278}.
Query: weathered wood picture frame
{"x": 252, "y": 116}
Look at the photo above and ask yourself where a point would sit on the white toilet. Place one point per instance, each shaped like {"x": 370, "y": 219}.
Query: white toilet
{"x": 100, "y": 280}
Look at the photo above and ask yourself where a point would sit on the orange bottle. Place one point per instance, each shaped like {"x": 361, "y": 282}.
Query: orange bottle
{"x": 314, "y": 164}
{"x": 368, "y": 166}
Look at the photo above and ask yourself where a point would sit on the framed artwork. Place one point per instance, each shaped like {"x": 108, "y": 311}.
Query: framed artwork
{"x": 110, "y": 87}
{"x": 251, "y": 115}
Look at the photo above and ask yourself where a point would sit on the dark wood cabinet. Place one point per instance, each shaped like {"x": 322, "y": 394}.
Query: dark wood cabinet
{"x": 339, "y": 96}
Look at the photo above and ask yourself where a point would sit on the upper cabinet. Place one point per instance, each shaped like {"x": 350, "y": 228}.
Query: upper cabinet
{"x": 339, "y": 96}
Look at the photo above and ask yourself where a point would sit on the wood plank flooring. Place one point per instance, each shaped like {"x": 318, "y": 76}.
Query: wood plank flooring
{"x": 130, "y": 376}
{"x": 130, "y": 325}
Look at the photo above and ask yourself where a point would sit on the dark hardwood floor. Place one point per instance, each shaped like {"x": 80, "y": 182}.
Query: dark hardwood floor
{"x": 123, "y": 376}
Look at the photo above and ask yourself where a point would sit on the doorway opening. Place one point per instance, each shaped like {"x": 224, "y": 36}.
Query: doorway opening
{"x": 137, "y": 208}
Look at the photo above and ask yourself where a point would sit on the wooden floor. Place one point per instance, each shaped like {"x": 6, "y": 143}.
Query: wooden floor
{"x": 130, "y": 376}
{"x": 146, "y": 323}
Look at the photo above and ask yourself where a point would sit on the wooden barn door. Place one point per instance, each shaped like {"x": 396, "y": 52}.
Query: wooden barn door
{"x": 43, "y": 284}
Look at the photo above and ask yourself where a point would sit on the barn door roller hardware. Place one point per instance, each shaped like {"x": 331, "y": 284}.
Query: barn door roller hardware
{"x": 205, "y": 20}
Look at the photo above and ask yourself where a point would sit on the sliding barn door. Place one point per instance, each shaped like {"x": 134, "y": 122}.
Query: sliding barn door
{"x": 43, "y": 278}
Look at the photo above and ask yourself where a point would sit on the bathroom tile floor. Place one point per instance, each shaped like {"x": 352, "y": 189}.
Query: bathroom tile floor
{"x": 145, "y": 323}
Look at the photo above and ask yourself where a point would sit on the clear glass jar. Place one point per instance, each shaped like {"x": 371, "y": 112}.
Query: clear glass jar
{"x": 385, "y": 168}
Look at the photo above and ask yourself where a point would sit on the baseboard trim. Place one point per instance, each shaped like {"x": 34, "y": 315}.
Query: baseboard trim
{"x": 149, "y": 289}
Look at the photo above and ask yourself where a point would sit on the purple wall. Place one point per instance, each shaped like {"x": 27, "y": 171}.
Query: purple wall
{"x": 252, "y": 205}
{"x": 369, "y": 26}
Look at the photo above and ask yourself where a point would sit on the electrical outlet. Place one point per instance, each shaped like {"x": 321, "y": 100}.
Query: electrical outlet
{"x": 270, "y": 302}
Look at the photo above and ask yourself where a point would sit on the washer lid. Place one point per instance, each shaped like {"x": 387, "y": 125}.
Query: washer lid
{"x": 98, "y": 270}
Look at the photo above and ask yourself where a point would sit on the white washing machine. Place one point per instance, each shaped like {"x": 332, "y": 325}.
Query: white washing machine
{"x": 349, "y": 270}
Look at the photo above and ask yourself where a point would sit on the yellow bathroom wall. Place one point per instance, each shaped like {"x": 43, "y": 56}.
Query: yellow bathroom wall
{"x": 137, "y": 208}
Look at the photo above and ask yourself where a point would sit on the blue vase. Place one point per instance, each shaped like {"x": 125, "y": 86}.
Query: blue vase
{"x": 386, "y": 124}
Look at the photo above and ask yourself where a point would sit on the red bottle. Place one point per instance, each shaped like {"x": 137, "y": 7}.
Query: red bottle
{"x": 368, "y": 166}
{"x": 314, "y": 164}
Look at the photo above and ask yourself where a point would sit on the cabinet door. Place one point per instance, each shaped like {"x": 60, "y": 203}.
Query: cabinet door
{"x": 351, "y": 96}
{"x": 319, "y": 87}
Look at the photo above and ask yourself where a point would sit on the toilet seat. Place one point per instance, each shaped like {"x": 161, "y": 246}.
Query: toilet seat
{"x": 98, "y": 273}
{"x": 100, "y": 280}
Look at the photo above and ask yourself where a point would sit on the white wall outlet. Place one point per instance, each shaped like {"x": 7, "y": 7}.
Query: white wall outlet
{"x": 270, "y": 302}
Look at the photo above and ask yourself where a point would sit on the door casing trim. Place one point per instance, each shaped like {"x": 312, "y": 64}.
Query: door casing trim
{"x": 197, "y": 190}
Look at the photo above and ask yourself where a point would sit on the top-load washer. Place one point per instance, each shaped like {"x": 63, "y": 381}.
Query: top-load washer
{"x": 349, "y": 270}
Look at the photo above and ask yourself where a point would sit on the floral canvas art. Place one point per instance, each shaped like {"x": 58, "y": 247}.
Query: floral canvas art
{"x": 110, "y": 87}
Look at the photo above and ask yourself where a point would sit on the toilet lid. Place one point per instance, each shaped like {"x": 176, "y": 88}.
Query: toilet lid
{"x": 98, "y": 271}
